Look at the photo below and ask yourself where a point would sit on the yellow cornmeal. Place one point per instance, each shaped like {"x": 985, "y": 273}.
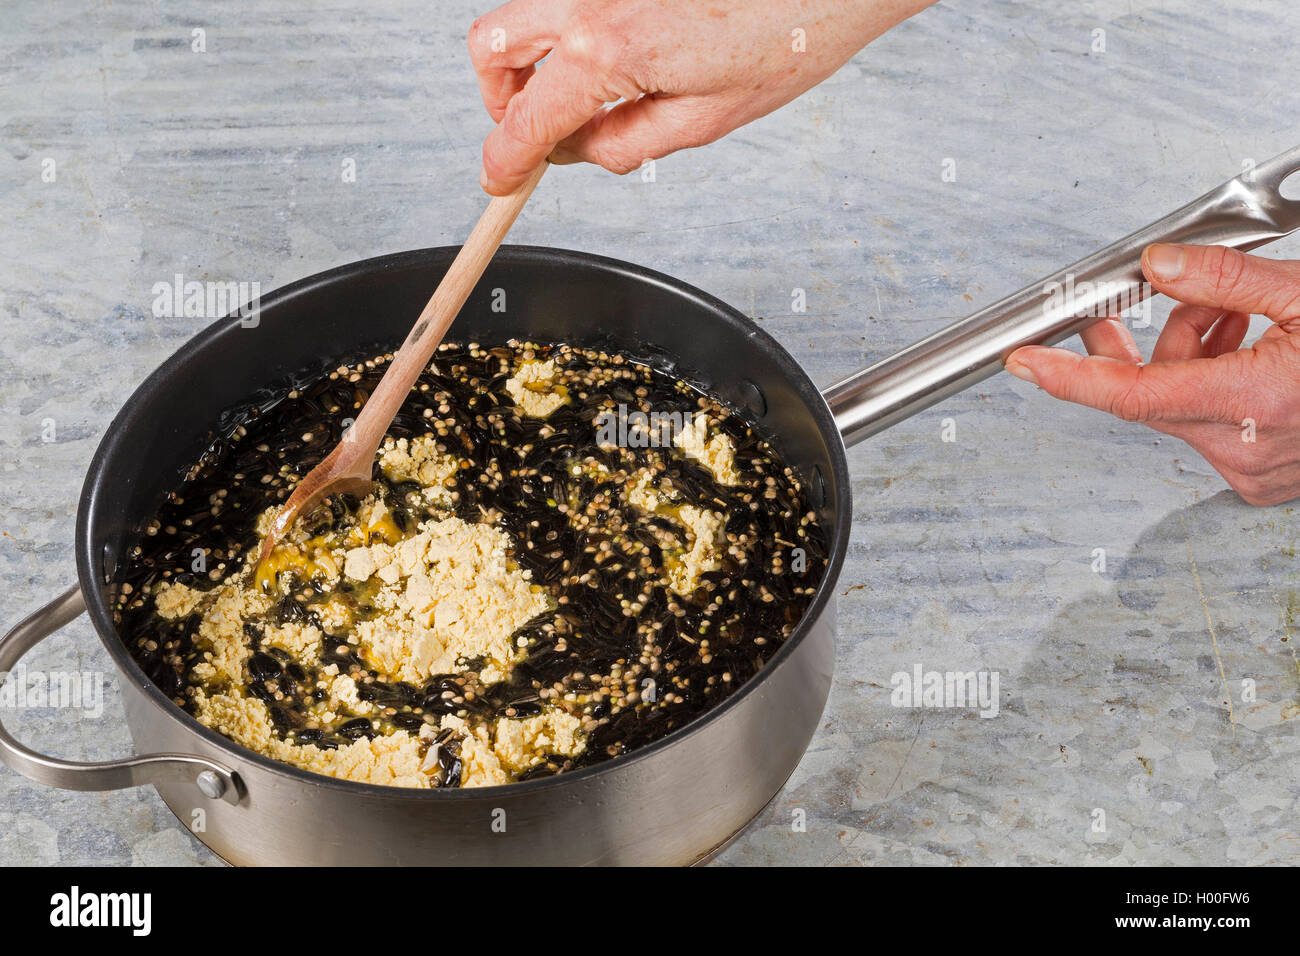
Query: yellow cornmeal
{"x": 716, "y": 453}
{"x": 443, "y": 595}
{"x": 489, "y": 752}
{"x": 705, "y": 532}
{"x": 420, "y": 461}
{"x": 299, "y": 640}
{"x": 177, "y": 601}
{"x": 535, "y": 389}
{"x": 221, "y": 629}
{"x": 446, "y": 595}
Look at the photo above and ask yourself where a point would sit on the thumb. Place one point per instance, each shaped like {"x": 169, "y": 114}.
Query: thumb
{"x": 1199, "y": 390}
{"x": 555, "y": 101}
{"x": 622, "y": 138}
{"x": 1224, "y": 278}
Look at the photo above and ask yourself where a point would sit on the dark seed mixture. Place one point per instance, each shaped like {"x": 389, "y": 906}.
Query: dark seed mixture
{"x": 616, "y": 651}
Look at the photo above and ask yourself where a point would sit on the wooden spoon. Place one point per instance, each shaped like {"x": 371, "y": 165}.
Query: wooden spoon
{"x": 347, "y": 469}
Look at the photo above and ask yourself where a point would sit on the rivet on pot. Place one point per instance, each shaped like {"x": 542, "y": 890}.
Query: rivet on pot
{"x": 752, "y": 397}
{"x": 210, "y": 784}
{"x": 817, "y": 488}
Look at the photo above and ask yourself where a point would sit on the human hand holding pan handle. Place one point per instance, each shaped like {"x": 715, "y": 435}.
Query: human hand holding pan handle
{"x": 1239, "y": 407}
{"x": 1199, "y": 386}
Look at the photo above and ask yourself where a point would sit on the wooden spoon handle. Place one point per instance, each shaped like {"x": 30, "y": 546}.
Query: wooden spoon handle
{"x": 348, "y": 467}
{"x": 414, "y": 355}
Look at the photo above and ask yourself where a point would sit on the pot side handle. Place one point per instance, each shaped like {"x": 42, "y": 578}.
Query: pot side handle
{"x": 1244, "y": 213}
{"x": 212, "y": 779}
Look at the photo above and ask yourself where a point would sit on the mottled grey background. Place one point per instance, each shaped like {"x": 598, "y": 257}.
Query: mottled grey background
{"x": 1121, "y": 690}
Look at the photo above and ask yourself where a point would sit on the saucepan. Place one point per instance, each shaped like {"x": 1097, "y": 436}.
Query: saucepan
{"x": 672, "y": 802}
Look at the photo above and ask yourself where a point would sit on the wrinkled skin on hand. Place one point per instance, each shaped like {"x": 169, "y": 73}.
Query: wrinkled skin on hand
{"x": 688, "y": 72}
{"x": 1239, "y": 407}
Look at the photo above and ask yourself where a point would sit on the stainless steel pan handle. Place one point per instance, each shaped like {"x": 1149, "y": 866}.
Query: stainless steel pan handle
{"x": 1243, "y": 213}
{"x": 211, "y": 779}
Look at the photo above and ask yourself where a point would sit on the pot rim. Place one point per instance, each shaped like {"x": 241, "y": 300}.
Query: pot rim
{"x": 108, "y": 450}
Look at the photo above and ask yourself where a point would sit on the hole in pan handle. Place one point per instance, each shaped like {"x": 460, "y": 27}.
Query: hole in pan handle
{"x": 1245, "y": 212}
{"x": 211, "y": 779}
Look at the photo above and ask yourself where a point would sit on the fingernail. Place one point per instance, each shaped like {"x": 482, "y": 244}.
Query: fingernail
{"x": 1166, "y": 261}
{"x": 1023, "y": 372}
